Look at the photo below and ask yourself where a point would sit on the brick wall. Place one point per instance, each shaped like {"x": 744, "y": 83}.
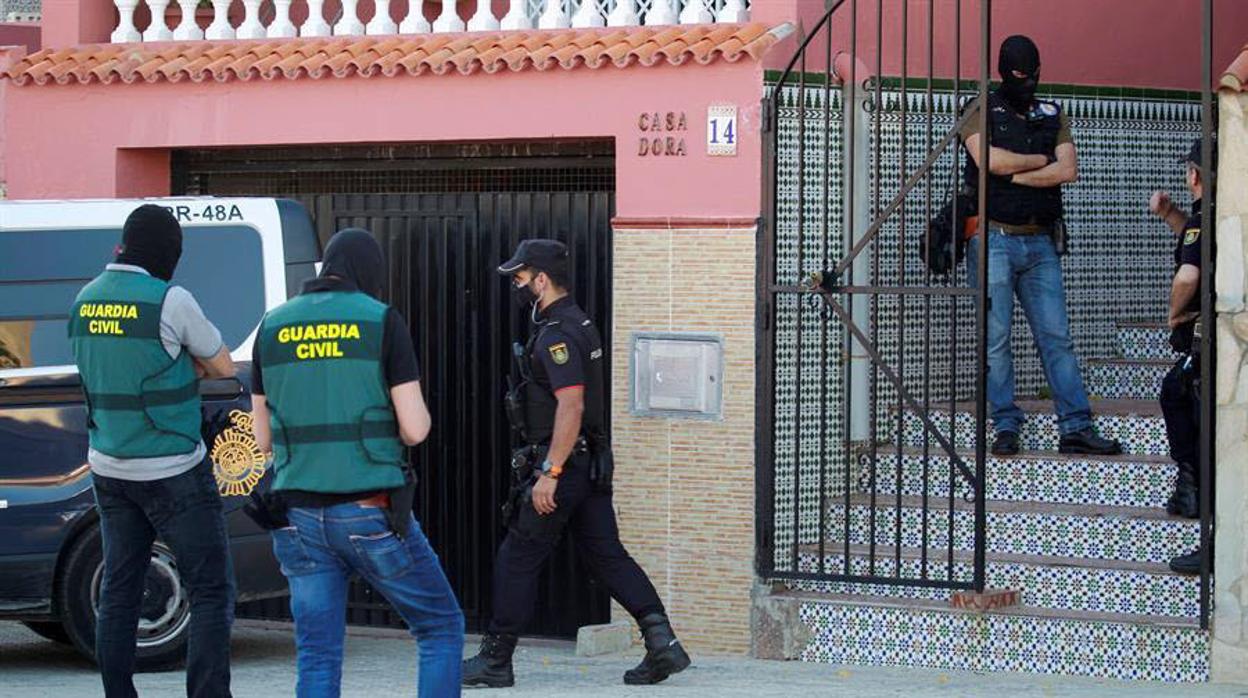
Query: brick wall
{"x": 685, "y": 488}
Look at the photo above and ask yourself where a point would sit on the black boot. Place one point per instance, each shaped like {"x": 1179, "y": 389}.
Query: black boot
{"x": 1186, "y": 564}
{"x": 1087, "y": 441}
{"x": 1185, "y": 501}
{"x": 492, "y": 665}
{"x": 664, "y": 655}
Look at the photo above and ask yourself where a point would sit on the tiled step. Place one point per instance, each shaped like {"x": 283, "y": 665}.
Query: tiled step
{"x": 1130, "y": 481}
{"x": 1055, "y": 530}
{"x": 883, "y": 631}
{"x": 1144, "y": 340}
{"x": 1070, "y": 584}
{"x": 1137, "y": 423}
{"x": 1131, "y": 379}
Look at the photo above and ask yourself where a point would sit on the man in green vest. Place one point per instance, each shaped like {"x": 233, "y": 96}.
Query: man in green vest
{"x": 141, "y": 345}
{"x": 336, "y": 397}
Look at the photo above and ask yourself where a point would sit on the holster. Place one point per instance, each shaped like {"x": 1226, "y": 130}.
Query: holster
{"x": 1059, "y": 236}
{"x": 399, "y": 513}
{"x": 267, "y": 509}
{"x": 523, "y": 460}
{"x": 601, "y": 465}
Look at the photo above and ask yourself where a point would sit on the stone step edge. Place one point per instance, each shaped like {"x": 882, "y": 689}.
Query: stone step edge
{"x": 931, "y": 606}
{"x": 1008, "y": 507}
{"x": 941, "y": 555}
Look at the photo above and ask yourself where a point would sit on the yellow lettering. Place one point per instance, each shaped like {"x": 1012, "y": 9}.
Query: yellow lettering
{"x": 353, "y": 332}
{"x": 303, "y": 351}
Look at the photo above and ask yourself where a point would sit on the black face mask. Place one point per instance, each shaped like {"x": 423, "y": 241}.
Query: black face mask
{"x": 1019, "y": 53}
{"x": 523, "y": 296}
{"x": 151, "y": 239}
{"x": 353, "y": 254}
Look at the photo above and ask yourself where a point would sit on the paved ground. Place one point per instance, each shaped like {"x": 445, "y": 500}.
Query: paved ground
{"x": 378, "y": 662}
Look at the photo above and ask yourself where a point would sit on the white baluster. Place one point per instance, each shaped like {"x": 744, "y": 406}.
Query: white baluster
{"x": 281, "y": 26}
{"x": 187, "y": 29}
{"x": 484, "y": 20}
{"x": 157, "y": 30}
{"x": 220, "y": 27}
{"x": 350, "y": 24}
{"x": 125, "y": 31}
{"x": 449, "y": 20}
{"x": 381, "y": 22}
{"x": 554, "y": 17}
{"x": 251, "y": 28}
{"x": 661, "y": 12}
{"x": 733, "y": 12}
{"x": 624, "y": 14}
{"x": 589, "y": 15}
{"x": 695, "y": 12}
{"x": 518, "y": 16}
{"x": 315, "y": 24}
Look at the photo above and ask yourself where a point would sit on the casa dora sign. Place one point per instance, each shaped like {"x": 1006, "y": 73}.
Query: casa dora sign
{"x": 662, "y": 134}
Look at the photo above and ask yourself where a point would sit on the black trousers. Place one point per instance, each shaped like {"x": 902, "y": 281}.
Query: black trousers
{"x": 590, "y": 518}
{"x": 1180, "y": 405}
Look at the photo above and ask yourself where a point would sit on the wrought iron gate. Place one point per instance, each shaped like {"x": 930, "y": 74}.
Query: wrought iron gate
{"x": 871, "y": 418}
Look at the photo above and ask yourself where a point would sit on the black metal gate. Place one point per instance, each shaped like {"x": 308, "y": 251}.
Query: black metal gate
{"x": 858, "y": 381}
{"x": 443, "y": 249}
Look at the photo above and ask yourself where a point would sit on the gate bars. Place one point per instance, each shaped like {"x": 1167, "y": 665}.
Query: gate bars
{"x": 860, "y": 315}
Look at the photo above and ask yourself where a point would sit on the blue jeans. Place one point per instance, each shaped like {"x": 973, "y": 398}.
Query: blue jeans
{"x": 186, "y": 512}
{"x": 320, "y": 551}
{"x": 1028, "y": 265}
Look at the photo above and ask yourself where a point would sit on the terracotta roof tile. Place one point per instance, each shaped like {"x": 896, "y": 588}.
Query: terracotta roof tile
{"x": 1236, "y": 75}
{"x": 439, "y": 54}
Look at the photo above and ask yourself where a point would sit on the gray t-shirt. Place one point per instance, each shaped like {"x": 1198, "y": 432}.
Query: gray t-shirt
{"x": 182, "y": 326}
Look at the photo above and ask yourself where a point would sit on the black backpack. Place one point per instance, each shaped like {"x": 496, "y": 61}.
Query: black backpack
{"x": 943, "y": 245}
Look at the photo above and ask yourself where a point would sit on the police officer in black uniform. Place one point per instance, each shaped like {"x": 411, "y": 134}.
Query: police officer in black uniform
{"x": 1180, "y": 403}
{"x": 562, "y": 475}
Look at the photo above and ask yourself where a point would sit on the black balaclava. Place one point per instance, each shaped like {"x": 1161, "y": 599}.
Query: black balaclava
{"x": 1019, "y": 53}
{"x": 152, "y": 239}
{"x": 353, "y": 254}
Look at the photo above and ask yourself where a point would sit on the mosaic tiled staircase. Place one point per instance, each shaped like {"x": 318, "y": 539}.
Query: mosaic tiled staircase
{"x": 1085, "y": 539}
{"x": 1144, "y": 357}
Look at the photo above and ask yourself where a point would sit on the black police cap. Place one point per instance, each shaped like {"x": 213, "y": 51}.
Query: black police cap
{"x": 550, "y": 256}
{"x": 1194, "y": 153}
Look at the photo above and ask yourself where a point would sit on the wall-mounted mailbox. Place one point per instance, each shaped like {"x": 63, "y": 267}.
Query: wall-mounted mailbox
{"x": 677, "y": 375}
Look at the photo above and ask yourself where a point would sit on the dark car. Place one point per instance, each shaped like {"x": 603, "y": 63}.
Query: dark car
{"x": 241, "y": 257}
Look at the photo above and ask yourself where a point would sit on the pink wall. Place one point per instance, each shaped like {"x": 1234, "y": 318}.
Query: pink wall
{"x": 20, "y": 34}
{"x": 1136, "y": 43}
{"x": 90, "y": 140}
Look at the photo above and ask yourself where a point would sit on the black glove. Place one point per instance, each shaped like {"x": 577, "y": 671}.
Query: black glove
{"x": 268, "y": 510}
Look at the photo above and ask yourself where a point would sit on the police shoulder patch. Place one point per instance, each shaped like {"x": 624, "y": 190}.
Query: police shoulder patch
{"x": 1049, "y": 108}
{"x": 1191, "y": 236}
{"x": 559, "y": 353}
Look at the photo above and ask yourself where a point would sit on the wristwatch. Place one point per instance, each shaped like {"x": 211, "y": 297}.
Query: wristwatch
{"x": 551, "y": 470}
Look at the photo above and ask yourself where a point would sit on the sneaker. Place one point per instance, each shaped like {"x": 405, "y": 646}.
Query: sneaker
{"x": 1006, "y": 444}
{"x": 1087, "y": 441}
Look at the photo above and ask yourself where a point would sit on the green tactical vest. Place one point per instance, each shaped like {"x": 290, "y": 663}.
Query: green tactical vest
{"x": 334, "y": 429}
{"x": 141, "y": 403}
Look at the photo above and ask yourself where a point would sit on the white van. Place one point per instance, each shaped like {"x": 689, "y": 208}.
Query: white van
{"x": 240, "y": 257}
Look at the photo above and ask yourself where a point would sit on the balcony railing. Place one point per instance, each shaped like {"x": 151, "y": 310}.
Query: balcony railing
{"x": 275, "y": 20}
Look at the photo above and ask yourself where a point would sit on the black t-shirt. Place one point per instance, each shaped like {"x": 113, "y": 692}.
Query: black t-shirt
{"x": 398, "y": 360}
{"x": 567, "y": 354}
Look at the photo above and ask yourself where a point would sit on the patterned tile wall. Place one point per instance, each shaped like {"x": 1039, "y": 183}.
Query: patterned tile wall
{"x": 1145, "y": 343}
{"x": 1093, "y": 536}
{"x": 1140, "y": 434}
{"x": 1043, "y": 586}
{"x": 1058, "y": 480}
{"x": 847, "y": 634}
{"x": 1130, "y": 379}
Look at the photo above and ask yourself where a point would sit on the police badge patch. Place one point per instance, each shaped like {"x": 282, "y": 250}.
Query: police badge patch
{"x": 1191, "y": 236}
{"x": 237, "y": 462}
{"x": 559, "y": 352}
